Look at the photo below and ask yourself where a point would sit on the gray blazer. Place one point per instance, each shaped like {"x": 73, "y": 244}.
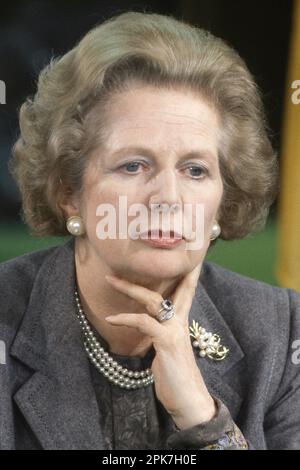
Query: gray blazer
{"x": 47, "y": 398}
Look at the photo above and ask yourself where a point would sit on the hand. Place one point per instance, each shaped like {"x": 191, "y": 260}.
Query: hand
{"x": 179, "y": 385}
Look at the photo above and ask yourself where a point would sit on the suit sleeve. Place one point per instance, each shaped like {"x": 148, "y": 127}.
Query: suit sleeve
{"x": 220, "y": 433}
{"x": 282, "y": 419}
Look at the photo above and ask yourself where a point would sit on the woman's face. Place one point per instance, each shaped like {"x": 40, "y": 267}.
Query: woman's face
{"x": 171, "y": 158}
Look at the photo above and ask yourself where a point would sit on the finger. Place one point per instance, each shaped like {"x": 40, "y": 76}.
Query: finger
{"x": 184, "y": 293}
{"x": 152, "y": 300}
{"x": 191, "y": 279}
{"x": 141, "y": 321}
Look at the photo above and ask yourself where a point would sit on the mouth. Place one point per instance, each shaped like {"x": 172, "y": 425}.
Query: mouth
{"x": 158, "y": 234}
{"x": 162, "y": 239}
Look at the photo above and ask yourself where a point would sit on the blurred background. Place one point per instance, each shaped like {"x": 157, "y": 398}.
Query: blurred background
{"x": 266, "y": 33}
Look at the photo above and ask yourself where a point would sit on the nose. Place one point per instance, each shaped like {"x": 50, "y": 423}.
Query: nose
{"x": 166, "y": 190}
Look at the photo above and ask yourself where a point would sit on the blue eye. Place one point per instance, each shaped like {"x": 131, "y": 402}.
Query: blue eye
{"x": 199, "y": 170}
{"x": 131, "y": 167}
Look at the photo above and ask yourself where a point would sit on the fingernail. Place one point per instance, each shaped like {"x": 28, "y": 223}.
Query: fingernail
{"x": 109, "y": 318}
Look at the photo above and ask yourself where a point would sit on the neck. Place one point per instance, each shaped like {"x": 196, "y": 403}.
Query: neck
{"x": 99, "y": 299}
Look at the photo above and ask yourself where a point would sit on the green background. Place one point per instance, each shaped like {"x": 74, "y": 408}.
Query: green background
{"x": 254, "y": 256}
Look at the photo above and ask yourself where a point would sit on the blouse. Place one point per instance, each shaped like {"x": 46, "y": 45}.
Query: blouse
{"x": 136, "y": 419}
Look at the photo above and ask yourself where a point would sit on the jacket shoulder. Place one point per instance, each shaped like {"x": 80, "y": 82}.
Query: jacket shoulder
{"x": 16, "y": 280}
{"x": 265, "y": 320}
{"x": 248, "y": 302}
{"x": 220, "y": 274}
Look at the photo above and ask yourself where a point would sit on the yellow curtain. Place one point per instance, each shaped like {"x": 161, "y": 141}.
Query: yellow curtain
{"x": 288, "y": 262}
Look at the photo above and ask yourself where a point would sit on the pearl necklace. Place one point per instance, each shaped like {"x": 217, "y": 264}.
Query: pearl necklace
{"x": 208, "y": 344}
{"x": 102, "y": 360}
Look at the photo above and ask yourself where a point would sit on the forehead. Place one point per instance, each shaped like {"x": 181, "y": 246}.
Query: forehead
{"x": 161, "y": 118}
{"x": 176, "y": 106}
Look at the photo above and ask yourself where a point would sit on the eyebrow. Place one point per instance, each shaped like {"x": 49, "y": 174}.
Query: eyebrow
{"x": 204, "y": 153}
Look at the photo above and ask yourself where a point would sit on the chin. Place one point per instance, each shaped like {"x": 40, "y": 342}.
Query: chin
{"x": 160, "y": 266}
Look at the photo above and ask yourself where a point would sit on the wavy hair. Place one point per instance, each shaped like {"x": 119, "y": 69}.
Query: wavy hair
{"x": 57, "y": 134}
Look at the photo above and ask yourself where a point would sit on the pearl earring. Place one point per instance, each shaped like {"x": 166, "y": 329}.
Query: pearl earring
{"x": 75, "y": 225}
{"x": 216, "y": 230}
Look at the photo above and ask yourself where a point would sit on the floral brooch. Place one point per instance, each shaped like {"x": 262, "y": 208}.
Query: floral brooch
{"x": 208, "y": 343}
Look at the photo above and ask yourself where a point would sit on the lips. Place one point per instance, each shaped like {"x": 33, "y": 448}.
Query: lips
{"x": 159, "y": 234}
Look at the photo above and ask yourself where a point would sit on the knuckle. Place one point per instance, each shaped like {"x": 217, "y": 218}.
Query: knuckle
{"x": 154, "y": 302}
{"x": 157, "y": 298}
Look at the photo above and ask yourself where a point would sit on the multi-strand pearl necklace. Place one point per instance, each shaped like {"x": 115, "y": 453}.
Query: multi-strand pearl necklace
{"x": 208, "y": 344}
{"x": 102, "y": 360}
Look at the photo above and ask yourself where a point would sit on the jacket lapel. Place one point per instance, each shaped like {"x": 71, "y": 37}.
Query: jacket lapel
{"x": 204, "y": 311}
{"x": 58, "y": 401}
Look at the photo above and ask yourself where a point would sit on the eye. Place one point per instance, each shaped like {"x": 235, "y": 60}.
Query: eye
{"x": 197, "y": 171}
{"x": 131, "y": 167}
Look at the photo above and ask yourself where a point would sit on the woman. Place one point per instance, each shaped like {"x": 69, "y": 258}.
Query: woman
{"x": 111, "y": 340}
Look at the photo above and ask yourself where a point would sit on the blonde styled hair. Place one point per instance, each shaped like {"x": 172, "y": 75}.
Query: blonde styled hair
{"x": 58, "y": 135}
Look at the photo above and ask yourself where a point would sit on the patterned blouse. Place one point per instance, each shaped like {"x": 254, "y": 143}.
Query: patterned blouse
{"x": 136, "y": 419}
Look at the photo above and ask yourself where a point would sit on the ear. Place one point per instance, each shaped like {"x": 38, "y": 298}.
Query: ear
{"x": 69, "y": 203}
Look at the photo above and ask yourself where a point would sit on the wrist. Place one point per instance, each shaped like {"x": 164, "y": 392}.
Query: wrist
{"x": 195, "y": 413}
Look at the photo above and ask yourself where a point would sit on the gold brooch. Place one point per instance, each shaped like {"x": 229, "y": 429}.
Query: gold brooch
{"x": 208, "y": 343}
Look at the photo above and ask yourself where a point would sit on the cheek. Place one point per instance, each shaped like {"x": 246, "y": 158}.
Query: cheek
{"x": 207, "y": 215}
{"x": 108, "y": 191}
{"x": 104, "y": 211}
{"x": 95, "y": 197}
